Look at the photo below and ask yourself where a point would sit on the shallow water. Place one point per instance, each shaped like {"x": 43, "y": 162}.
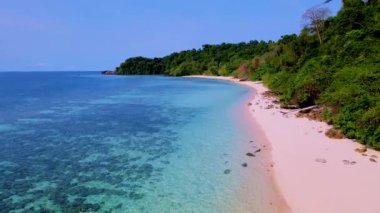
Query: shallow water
{"x": 83, "y": 142}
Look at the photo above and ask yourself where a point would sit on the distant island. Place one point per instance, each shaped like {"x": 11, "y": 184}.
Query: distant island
{"x": 334, "y": 62}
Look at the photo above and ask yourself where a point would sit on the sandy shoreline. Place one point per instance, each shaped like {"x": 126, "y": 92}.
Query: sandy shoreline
{"x": 313, "y": 172}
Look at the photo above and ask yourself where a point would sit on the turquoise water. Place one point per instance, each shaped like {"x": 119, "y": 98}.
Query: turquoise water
{"x": 83, "y": 142}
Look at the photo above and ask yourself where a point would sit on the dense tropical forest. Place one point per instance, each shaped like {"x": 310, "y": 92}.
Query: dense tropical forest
{"x": 334, "y": 62}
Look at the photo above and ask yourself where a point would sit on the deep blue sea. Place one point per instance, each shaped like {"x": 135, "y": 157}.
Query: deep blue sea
{"x": 85, "y": 142}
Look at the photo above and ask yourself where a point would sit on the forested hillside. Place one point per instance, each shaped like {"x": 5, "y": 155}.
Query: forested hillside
{"x": 334, "y": 61}
{"x": 221, "y": 59}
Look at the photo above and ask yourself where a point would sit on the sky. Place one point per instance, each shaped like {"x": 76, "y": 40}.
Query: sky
{"x": 84, "y": 35}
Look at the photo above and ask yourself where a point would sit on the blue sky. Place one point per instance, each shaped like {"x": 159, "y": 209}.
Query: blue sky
{"x": 99, "y": 34}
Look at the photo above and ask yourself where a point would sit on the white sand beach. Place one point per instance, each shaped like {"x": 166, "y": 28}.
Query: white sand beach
{"x": 314, "y": 173}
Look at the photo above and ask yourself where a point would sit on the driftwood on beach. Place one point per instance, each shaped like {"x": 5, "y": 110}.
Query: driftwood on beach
{"x": 302, "y": 110}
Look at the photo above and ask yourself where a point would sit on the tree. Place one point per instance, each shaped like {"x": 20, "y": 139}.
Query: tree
{"x": 315, "y": 19}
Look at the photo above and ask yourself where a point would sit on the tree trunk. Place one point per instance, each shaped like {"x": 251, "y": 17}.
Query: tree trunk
{"x": 319, "y": 35}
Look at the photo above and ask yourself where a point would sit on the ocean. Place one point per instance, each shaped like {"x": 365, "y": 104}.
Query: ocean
{"x": 85, "y": 142}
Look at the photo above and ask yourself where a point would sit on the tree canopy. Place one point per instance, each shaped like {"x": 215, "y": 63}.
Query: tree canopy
{"x": 220, "y": 59}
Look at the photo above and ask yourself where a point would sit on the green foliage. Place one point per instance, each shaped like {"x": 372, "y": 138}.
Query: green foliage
{"x": 221, "y": 59}
{"x": 141, "y": 66}
{"x": 258, "y": 73}
{"x": 354, "y": 93}
{"x": 341, "y": 71}
{"x": 327, "y": 116}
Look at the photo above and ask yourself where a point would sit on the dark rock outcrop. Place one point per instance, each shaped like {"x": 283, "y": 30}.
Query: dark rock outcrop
{"x": 373, "y": 160}
{"x": 361, "y": 149}
{"x": 321, "y": 160}
{"x": 227, "y": 171}
{"x": 108, "y": 72}
{"x": 250, "y": 154}
{"x": 334, "y": 134}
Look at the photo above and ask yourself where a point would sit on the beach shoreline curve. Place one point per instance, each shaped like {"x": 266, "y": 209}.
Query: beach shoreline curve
{"x": 313, "y": 173}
